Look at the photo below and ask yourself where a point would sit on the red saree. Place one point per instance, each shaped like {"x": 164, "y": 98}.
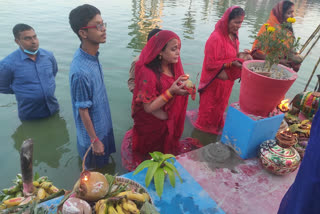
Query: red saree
{"x": 214, "y": 92}
{"x": 150, "y": 133}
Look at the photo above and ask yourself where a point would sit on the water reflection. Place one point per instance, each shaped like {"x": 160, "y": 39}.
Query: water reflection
{"x": 49, "y": 137}
{"x": 189, "y": 22}
{"x": 146, "y": 15}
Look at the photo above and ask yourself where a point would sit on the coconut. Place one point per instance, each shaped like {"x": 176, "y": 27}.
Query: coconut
{"x": 189, "y": 83}
{"x": 91, "y": 186}
{"x": 75, "y": 206}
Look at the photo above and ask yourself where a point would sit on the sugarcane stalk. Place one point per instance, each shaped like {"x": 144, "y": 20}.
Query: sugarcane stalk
{"x": 314, "y": 70}
{"x": 309, "y": 39}
{"x": 315, "y": 42}
{"x": 26, "y": 154}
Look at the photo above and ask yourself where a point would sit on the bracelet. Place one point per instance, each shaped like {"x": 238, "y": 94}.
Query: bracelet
{"x": 166, "y": 96}
{"x": 228, "y": 65}
{"x": 168, "y": 93}
{"x": 94, "y": 140}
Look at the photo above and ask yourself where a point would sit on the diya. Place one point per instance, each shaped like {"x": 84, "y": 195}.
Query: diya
{"x": 278, "y": 160}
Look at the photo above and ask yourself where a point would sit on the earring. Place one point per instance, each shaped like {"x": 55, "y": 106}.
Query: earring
{"x": 160, "y": 57}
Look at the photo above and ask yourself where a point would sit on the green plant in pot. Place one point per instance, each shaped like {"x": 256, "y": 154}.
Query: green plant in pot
{"x": 158, "y": 167}
{"x": 279, "y": 44}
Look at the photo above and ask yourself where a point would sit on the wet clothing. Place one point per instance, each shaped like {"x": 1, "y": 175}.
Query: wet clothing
{"x": 303, "y": 195}
{"x": 32, "y": 82}
{"x": 149, "y": 133}
{"x": 88, "y": 91}
{"x": 214, "y": 92}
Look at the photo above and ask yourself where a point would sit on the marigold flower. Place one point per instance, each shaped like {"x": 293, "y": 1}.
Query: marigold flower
{"x": 291, "y": 20}
{"x": 266, "y": 24}
{"x": 271, "y": 29}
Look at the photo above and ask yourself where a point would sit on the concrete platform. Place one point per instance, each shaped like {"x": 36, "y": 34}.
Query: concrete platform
{"x": 247, "y": 188}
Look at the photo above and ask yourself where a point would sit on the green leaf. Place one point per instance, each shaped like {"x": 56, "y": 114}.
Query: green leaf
{"x": 159, "y": 181}
{"x": 157, "y": 156}
{"x": 144, "y": 164}
{"x": 171, "y": 175}
{"x": 151, "y": 170}
{"x": 174, "y": 169}
{"x": 148, "y": 208}
{"x": 36, "y": 176}
{"x": 167, "y": 156}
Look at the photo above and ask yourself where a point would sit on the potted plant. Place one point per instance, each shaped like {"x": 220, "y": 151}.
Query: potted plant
{"x": 158, "y": 168}
{"x": 264, "y": 83}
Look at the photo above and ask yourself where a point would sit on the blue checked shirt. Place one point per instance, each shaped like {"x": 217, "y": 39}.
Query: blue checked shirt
{"x": 32, "y": 82}
{"x": 88, "y": 91}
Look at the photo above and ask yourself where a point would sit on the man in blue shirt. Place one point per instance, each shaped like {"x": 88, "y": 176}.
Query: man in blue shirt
{"x": 88, "y": 93}
{"x": 29, "y": 73}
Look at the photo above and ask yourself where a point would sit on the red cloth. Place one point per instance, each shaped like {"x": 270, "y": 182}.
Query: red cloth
{"x": 214, "y": 92}
{"x": 150, "y": 133}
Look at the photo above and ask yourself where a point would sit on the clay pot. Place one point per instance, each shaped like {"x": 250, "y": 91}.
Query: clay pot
{"x": 259, "y": 94}
{"x": 286, "y": 139}
{"x": 278, "y": 160}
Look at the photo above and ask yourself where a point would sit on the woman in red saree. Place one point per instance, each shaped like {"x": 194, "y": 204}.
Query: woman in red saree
{"x": 220, "y": 68}
{"x": 279, "y": 14}
{"x": 159, "y": 101}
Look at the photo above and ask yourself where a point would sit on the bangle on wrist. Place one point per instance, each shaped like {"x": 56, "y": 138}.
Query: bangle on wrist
{"x": 166, "y": 96}
{"x": 168, "y": 93}
{"x": 94, "y": 140}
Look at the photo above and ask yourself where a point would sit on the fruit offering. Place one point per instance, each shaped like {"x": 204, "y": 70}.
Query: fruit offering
{"x": 12, "y": 198}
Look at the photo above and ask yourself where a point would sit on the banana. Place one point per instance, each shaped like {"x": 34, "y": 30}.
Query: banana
{"x": 119, "y": 209}
{"x": 53, "y": 189}
{"x": 102, "y": 208}
{"x": 129, "y": 207}
{"x": 11, "y": 190}
{"x": 3, "y": 206}
{"x": 111, "y": 210}
{"x": 42, "y": 179}
{"x": 41, "y": 194}
{"x": 36, "y": 183}
{"x": 98, "y": 204}
{"x": 132, "y": 203}
{"x": 133, "y": 196}
{"x": 146, "y": 196}
{"x": 13, "y": 201}
{"x": 46, "y": 185}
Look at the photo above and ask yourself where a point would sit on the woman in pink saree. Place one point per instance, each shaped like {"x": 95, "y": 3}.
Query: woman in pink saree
{"x": 220, "y": 69}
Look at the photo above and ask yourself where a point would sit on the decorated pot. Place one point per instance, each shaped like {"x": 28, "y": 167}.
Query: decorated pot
{"x": 278, "y": 160}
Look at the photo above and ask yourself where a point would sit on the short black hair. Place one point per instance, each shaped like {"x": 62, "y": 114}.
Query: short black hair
{"x": 285, "y": 7}
{"x": 153, "y": 32}
{"x": 236, "y": 12}
{"x": 18, "y": 28}
{"x": 81, "y": 15}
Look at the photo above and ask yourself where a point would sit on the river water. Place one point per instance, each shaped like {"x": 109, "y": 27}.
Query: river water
{"x": 129, "y": 22}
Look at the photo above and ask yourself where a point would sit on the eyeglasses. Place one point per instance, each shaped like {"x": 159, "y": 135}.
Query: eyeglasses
{"x": 99, "y": 27}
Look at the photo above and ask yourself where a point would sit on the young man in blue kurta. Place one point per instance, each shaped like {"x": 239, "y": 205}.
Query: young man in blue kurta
{"x": 88, "y": 93}
{"x": 29, "y": 73}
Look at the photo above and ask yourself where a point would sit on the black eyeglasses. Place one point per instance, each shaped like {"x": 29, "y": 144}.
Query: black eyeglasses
{"x": 99, "y": 27}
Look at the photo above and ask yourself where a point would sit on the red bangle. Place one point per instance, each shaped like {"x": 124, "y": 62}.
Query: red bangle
{"x": 94, "y": 140}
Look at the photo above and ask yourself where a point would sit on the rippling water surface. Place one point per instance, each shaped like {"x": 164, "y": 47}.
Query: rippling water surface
{"x": 55, "y": 152}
